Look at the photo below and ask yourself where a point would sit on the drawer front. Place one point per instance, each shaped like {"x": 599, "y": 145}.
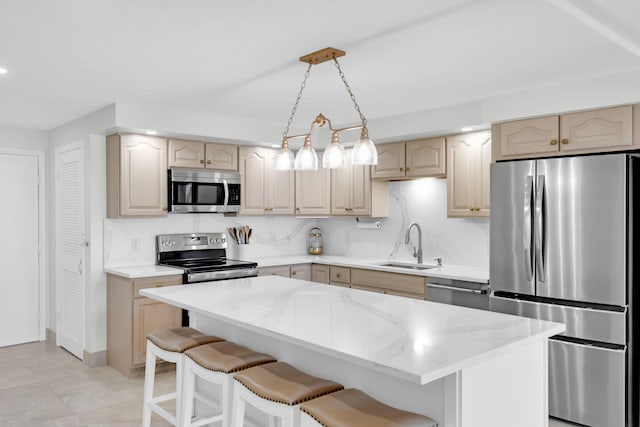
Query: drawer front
{"x": 154, "y": 282}
{"x": 340, "y": 274}
{"x": 389, "y": 281}
{"x": 282, "y": 271}
{"x": 584, "y": 323}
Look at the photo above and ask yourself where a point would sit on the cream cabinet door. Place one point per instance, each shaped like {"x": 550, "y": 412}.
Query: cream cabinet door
{"x": 143, "y": 176}
{"x": 598, "y": 130}
{"x": 528, "y": 138}
{"x": 360, "y": 190}
{"x": 280, "y": 189}
{"x": 391, "y": 161}
{"x": 186, "y": 154}
{"x": 221, "y": 156}
{"x": 320, "y": 273}
{"x": 151, "y": 316}
{"x": 425, "y": 157}
{"x": 301, "y": 272}
{"x": 253, "y": 165}
{"x": 313, "y": 191}
{"x": 468, "y": 162}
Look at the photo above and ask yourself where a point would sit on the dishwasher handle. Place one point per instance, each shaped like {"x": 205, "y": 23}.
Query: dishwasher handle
{"x": 482, "y": 291}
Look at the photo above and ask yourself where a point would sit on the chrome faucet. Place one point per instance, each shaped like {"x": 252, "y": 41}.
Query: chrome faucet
{"x": 407, "y": 238}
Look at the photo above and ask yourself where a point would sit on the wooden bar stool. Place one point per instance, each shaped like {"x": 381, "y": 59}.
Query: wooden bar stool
{"x": 215, "y": 363}
{"x": 277, "y": 389}
{"x": 353, "y": 408}
{"x": 169, "y": 345}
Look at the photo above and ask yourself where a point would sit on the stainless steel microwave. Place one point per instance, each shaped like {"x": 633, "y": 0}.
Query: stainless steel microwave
{"x": 201, "y": 190}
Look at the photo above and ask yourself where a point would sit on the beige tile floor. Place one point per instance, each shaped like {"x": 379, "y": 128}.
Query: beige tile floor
{"x": 43, "y": 385}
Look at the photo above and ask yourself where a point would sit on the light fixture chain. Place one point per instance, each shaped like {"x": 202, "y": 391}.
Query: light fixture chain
{"x": 353, "y": 97}
{"x": 295, "y": 106}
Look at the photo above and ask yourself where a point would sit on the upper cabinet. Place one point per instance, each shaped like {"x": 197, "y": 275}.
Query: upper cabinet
{"x": 413, "y": 159}
{"x": 353, "y": 192}
{"x": 607, "y": 129}
{"x": 136, "y": 176}
{"x": 196, "y": 154}
{"x": 265, "y": 191}
{"x": 313, "y": 191}
{"x": 468, "y": 161}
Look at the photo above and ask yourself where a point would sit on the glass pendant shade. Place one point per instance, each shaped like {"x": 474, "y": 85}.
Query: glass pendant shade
{"x": 284, "y": 160}
{"x": 364, "y": 152}
{"x": 333, "y": 156}
{"x": 306, "y": 159}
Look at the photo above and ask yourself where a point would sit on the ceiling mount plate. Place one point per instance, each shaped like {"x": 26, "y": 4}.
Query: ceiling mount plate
{"x": 322, "y": 55}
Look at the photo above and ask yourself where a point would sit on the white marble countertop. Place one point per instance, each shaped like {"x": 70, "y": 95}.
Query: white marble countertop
{"x": 138, "y": 271}
{"x": 455, "y": 272}
{"x": 418, "y": 341}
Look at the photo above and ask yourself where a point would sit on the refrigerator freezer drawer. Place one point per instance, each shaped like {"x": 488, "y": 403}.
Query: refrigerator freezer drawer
{"x": 587, "y": 384}
{"x": 582, "y": 323}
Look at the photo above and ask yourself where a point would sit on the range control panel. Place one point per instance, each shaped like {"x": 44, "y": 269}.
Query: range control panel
{"x": 189, "y": 242}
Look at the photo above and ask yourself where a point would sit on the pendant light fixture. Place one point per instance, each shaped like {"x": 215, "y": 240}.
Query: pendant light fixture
{"x": 364, "y": 151}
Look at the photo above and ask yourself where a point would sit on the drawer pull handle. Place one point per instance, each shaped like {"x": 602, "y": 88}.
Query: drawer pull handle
{"x": 482, "y": 291}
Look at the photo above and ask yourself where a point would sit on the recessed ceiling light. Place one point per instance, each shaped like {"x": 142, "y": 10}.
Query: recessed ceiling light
{"x": 3, "y": 70}
{"x": 151, "y": 132}
{"x": 466, "y": 129}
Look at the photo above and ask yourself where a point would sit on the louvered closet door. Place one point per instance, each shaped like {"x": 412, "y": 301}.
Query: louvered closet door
{"x": 70, "y": 249}
{"x": 19, "y": 249}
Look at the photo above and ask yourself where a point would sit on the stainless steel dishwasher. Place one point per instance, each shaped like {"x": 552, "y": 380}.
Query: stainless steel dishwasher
{"x": 458, "y": 292}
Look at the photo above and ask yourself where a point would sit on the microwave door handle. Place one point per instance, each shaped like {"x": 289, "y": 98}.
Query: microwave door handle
{"x": 226, "y": 192}
{"x": 526, "y": 227}
{"x": 540, "y": 230}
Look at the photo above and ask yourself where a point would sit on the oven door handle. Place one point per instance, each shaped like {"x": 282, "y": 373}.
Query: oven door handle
{"x": 226, "y": 192}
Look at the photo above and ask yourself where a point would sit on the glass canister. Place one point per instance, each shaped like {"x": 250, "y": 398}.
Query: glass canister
{"x": 315, "y": 241}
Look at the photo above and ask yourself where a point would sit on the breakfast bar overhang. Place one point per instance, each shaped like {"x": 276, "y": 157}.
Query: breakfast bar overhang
{"x": 462, "y": 367}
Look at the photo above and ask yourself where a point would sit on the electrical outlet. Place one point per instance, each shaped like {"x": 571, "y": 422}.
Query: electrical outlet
{"x": 136, "y": 246}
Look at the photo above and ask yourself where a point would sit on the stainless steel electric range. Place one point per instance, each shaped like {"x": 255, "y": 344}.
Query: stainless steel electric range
{"x": 203, "y": 257}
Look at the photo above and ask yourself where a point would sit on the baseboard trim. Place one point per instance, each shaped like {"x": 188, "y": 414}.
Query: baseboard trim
{"x": 95, "y": 360}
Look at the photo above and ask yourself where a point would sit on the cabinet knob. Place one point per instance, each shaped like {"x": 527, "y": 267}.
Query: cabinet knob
{"x": 293, "y": 273}
{"x": 471, "y": 209}
{"x": 338, "y": 275}
{"x": 202, "y": 162}
{"x": 401, "y": 169}
{"x": 165, "y": 209}
{"x": 553, "y": 142}
{"x": 266, "y": 209}
{"x": 564, "y": 141}
{"x": 208, "y": 162}
{"x": 407, "y": 169}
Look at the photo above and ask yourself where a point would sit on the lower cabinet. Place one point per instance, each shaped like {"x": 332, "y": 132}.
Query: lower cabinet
{"x": 320, "y": 273}
{"x": 340, "y": 276}
{"x": 405, "y": 285}
{"x": 131, "y": 317}
{"x": 296, "y": 271}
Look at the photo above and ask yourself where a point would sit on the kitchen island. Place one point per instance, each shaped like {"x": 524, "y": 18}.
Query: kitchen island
{"x": 461, "y": 366}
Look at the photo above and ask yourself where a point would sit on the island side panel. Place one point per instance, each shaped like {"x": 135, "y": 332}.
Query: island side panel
{"x": 426, "y": 399}
{"x": 509, "y": 390}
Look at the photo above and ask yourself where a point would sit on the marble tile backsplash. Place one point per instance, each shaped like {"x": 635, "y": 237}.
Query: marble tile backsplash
{"x": 456, "y": 241}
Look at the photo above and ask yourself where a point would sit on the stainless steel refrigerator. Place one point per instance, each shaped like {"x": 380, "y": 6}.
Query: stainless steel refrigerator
{"x": 562, "y": 248}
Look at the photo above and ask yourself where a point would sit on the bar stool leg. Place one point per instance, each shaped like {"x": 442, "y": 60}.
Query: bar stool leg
{"x": 239, "y": 406}
{"x": 149, "y": 378}
{"x": 188, "y": 392}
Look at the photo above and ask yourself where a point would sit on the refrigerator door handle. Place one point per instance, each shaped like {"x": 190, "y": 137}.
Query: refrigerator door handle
{"x": 526, "y": 228}
{"x": 540, "y": 228}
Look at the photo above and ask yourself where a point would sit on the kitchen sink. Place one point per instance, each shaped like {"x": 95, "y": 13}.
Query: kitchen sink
{"x": 407, "y": 266}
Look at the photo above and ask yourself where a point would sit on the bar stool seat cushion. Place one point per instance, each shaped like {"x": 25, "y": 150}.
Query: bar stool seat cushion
{"x": 353, "y": 408}
{"x": 282, "y": 383}
{"x": 180, "y": 339}
{"x": 227, "y": 357}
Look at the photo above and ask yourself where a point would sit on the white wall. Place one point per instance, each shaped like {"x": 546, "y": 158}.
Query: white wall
{"x": 23, "y": 139}
{"x": 457, "y": 241}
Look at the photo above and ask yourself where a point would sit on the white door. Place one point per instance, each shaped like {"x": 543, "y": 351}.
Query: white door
{"x": 70, "y": 240}
{"x": 19, "y": 259}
